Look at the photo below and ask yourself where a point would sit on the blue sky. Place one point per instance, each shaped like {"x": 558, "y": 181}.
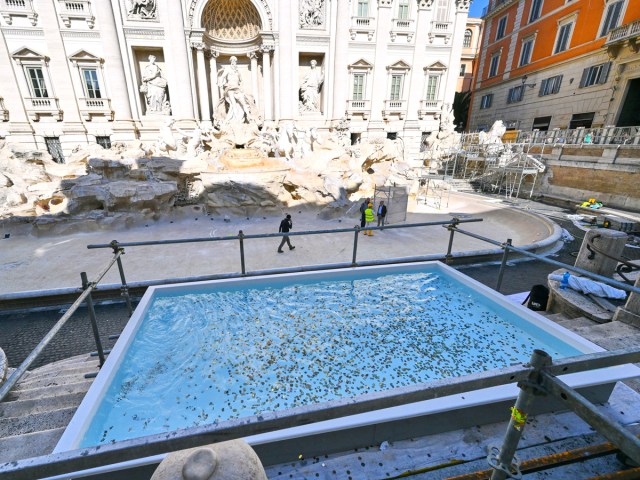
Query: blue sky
{"x": 476, "y": 7}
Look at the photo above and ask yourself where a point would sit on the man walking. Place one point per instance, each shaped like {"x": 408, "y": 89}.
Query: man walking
{"x": 382, "y": 212}
{"x": 285, "y": 225}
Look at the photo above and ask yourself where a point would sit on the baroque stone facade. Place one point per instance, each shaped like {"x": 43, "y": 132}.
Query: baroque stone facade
{"x": 117, "y": 70}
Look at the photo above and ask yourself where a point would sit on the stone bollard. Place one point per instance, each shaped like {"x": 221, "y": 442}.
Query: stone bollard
{"x": 630, "y": 313}
{"x": 610, "y": 241}
{"x": 233, "y": 460}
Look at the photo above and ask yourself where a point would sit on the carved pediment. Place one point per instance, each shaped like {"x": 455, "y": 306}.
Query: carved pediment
{"x": 85, "y": 57}
{"x": 361, "y": 64}
{"x": 399, "y": 65}
{"x": 436, "y": 66}
{"x": 26, "y": 54}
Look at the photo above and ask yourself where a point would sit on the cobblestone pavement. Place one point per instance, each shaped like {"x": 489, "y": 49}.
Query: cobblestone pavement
{"x": 20, "y": 333}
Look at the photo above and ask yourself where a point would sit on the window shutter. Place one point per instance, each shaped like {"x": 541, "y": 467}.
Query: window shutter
{"x": 556, "y": 84}
{"x": 543, "y": 87}
{"x": 604, "y": 73}
{"x": 583, "y": 80}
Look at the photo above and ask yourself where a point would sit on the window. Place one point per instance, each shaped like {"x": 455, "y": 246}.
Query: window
{"x": 541, "y": 123}
{"x": 392, "y": 135}
{"x": 403, "y": 9}
{"x": 550, "y": 85}
{"x": 396, "y": 87}
{"x": 468, "y": 35}
{"x": 611, "y": 17}
{"x": 515, "y": 94}
{"x": 54, "y": 148}
{"x": 363, "y": 8}
{"x": 463, "y": 69}
{"x": 595, "y": 75}
{"x": 92, "y": 87}
{"x": 564, "y": 33}
{"x": 502, "y": 26}
{"x": 358, "y": 86}
{"x": 433, "y": 82}
{"x": 36, "y": 82}
{"x": 493, "y": 67}
{"x": 104, "y": 142}
{"x": 525, "y": 52}
{"x": 486, "y": 100}
{"x": 536, "y": 9}
{"x": 442, "y": 11}
{"x": 582, "y": 120}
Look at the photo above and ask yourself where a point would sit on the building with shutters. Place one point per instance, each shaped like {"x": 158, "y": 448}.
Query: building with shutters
{"x": 548, "y": 64}
{"x": 80, "y": 71}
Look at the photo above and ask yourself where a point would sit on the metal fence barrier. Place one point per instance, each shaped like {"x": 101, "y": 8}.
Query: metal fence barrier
{"x": 543, "y": 370}
{"x": 536, "y": 371}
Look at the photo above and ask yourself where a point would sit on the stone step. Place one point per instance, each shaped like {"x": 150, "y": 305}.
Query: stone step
{"x": 30, "y": 445}
{"x": 10, "y": 427}
{"x": 616, "y": 343}
{"x": 52, "y": 367}
{"x": 556, "y": 317}
{"x": 575, "y": 323}
{"x": 69, "y": 369}
{"x": 611, "y": 329}
{"x": 19, "y": 408}
{"x": 52, "y": 379}
{"x": 43, "y": 392}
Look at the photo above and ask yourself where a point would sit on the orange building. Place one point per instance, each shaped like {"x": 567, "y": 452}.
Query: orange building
{"x": 548, "y": 64}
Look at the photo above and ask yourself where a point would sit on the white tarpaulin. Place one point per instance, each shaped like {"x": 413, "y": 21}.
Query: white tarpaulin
{"x": 587, "y": 286}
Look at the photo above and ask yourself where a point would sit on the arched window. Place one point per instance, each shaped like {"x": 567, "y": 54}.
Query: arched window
{"x": 467, "y": 38}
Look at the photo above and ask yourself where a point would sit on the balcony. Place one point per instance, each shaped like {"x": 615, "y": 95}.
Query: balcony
{"x": 441, "y": 29}
{"x": 76, "y": 10}
{"x": 394, "y": 107}
{"x": 402, "y": 26}
{"x": 362, "y": 25}
{"x": 94, "y": 107}
{"x": 18, "y": 8}
{"x": 625, "y": 33}
{"x": 429, "y": 107}
{"x": 358, "y": 107}
{"x": 43, "y": 106}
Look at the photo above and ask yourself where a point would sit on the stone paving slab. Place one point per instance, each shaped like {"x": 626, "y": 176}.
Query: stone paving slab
{"x": 29, "y": 263}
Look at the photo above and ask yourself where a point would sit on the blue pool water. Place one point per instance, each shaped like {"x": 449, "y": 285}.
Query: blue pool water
{"x": 234, "y": 351}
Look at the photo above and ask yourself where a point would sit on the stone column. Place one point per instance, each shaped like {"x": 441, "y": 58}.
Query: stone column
{"x": 267, "y": 94}
{"x": 253, "y": 57}
{"x": 213, "y": 72}
{"x": 286, "y": 61}
{"x": 73, "y": 129}
{"x": 610, "y": 241}
{"x": 177, "y": 60}
{"x": 203, "y": 88}
{"x": 341, "y": 62}
{"x": 19, "y": 128}
{"x": 412, "y": 132}
{"x": 123, "y": 127}
{"x": 380, "y": 74}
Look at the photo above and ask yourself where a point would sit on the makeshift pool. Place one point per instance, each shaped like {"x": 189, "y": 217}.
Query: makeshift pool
{"x": 196, "y": 353}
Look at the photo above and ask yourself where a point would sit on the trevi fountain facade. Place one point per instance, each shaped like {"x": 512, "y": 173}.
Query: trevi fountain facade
{"x": 120, "y": 105}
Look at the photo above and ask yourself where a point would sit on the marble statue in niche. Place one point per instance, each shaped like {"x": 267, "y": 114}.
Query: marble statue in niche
{"x": 310, "y": 89}
{"x": 311, "y": 13}
{"x": 238, "y": 106}
{"x": 142, "y": 9}
{"x": 154, "y": 88}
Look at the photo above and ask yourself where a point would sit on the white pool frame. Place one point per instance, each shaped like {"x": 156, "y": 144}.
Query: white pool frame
{"x": 373, "y": 423}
